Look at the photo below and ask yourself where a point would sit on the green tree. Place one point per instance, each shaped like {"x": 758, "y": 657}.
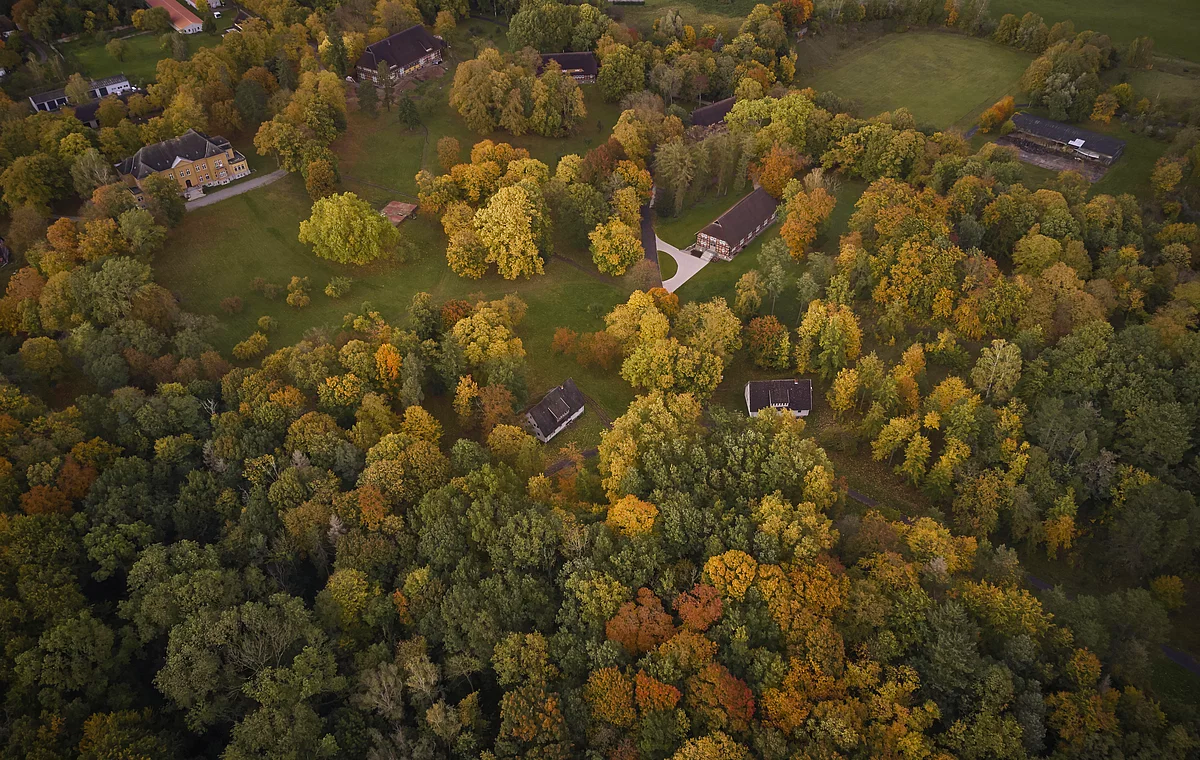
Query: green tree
{"x": 368, "y": 98}
{"x": 509, "y": 228}
{"x": 615, "y": 247}
{"x": 117, "y": 48}
{"x": 77, "y": 89}
{"x": 557, "y": 103}
{"x": 345, "y": 229}
{"x": 162, "y": 199}
{"x": 998, "y": 369}
{"x": 407, "y": 112}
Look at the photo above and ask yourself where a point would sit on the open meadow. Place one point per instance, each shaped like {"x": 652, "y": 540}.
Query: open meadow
{"x": 88, "y": 56}
{"x": 944, "y": 79}
{"x": 1173, "y": 24}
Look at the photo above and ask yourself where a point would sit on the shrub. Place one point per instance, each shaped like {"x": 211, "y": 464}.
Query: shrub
{"x": 338, "y": 287}
{"x": 231, "y": 305}
{"x": 271, "y": 291}
{"x": 267, "y": 324}
{"x": 258, "y": 285}
{"x": 564, "y": 341}
{"x": 250, "y": 347}
{"x": 298, "y": 293}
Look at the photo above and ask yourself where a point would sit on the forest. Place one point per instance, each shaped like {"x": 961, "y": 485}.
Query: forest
{"x": 351, "y": 545}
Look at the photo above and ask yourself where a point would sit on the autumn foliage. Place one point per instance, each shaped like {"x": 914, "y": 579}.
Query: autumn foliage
{"x": 1000, "y": 112}
{"x": 642, "y": 625}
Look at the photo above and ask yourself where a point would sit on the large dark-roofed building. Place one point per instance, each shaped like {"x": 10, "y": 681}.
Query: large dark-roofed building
{"x": 1068, "y": 138}
{"x": 403, "y": 52}
{"x": 793, "y": 395}
{"x": 557, "y": 409}
{"x": 713, "y": 113}
{"x": 582, "y": 67}
{"x": 733, "y": 230}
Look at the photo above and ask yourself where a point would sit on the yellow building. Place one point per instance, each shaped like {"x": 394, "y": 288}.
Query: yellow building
{"x": 193, "y": 159}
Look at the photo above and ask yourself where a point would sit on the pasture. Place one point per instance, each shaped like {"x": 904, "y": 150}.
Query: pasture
{"x": 944, "y": 79}
{"x": 1173, "y": 24}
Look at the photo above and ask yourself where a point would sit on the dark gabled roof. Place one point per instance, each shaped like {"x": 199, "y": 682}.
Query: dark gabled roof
{"x": 401, "y": 49}
{"x": 6, "y": 24}
{"x": 706, "y": 116}
{"x": 191, "y": 145}
{"x": 87, "y": 111}
{"x": 1068, "y": 134}
{"x": 556, "y": 407}
{"x": 571, "y": 62}
{"x": 795, "y": 395}
{"x": 743, "y": 218}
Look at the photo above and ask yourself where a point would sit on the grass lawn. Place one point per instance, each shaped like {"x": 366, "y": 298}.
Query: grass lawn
{"x": 89, "y": 56}
{"x": 1172, "y": 23}
{"x": 1172, "y": 89}
{"x": 680, "y": 231}
{"x": 203, "y": 269}
{"x": 1131, "y": 172}
{"x": 943, "y": 79}
{"x": 667, "y": 266}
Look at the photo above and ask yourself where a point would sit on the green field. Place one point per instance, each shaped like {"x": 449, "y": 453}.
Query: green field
{"x": 1174, "y": 24}
{"x": 1170, "y": 89}
{"x": 943, "y": 79}
{"x": 88, "y": 55}
{"x": 202, "y": 269}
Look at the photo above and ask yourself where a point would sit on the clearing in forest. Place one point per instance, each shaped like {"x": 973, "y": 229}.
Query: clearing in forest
{"x": 943, "y": 79}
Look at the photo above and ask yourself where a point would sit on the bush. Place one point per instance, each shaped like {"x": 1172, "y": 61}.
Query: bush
{"x": 298, "y": 293}
{"x": 231, "y": 305}
{"x": 258, "y": 285}
{"x": 267, "y": 324}
{"x": 271, "y": 291}
{"x": 338, "y": 287}
{"x": 1007, "y": 127}
{"x": 250, "y": 347}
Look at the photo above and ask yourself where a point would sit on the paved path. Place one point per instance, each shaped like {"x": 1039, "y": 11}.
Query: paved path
{"x": 649, "y": 239}
{"x": 688, "y": 265}
{"x": 219, "y": 195}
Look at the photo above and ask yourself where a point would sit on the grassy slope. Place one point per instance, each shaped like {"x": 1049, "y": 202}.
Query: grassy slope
{"x": 943, "y": 79}
{"x": 143, "y": 55}
{"x": 1172, "y": 23}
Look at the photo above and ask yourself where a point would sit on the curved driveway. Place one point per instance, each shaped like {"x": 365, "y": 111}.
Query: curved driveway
{"x": 688, "y": 265}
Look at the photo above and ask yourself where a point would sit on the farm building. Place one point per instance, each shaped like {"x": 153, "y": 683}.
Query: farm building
{"x": 1065, "y": 138}
{"x": 184, "y": 21}
{"x": 56, "y": 99}
{"x": 557, "y": 409}
{"x": 582, "y": 67}
{"x": 713, "y": 113}
{"x": 403, "y": 52}
{"x": 794, "y": 395}
{"x": 733, "y": 230}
